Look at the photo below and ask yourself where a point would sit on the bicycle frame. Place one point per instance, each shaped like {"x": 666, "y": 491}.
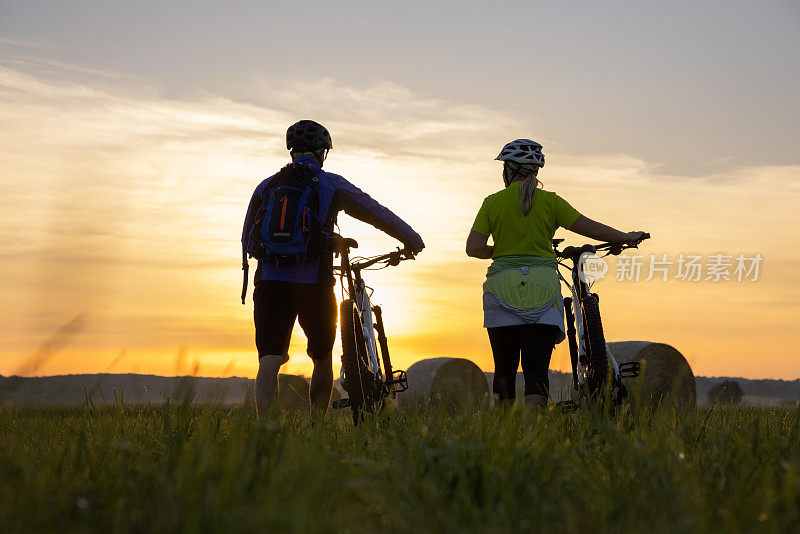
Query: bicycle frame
{"x": 575, "y": 329}
{"x": 372, "y": 322}
{"x": 573, "y": 307}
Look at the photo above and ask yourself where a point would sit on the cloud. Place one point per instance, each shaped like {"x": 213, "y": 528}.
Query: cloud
{"x": 128, "y": 203}
{"x": 22, "y": 44}
{"x": 389, "y": 120}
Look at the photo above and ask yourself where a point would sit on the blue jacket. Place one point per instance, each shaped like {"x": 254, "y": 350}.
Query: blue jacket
{"x": 335, "y": 194}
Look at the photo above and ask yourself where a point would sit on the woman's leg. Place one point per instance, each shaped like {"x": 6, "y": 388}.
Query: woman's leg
{"x": 538, "y": 341}
{"x": 505, "y": 341}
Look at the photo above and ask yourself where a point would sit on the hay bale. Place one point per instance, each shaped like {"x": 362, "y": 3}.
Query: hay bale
{"x": 665, "y": 372}
{"x": 456, "y": 384}
{"x": 726, "y": 392}
{"x": 338, "y": 392}
{"x": 293, "y": 393}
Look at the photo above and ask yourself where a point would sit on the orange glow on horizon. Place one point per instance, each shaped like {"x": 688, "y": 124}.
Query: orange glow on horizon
{"x": 127, "y": 207}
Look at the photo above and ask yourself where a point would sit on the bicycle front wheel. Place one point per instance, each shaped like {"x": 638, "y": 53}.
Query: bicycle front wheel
{"x": 357, "y": 375}
{"x": 595, "y": 344}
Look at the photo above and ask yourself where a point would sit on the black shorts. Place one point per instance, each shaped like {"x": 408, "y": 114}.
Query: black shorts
{"x": 278, "y": 304}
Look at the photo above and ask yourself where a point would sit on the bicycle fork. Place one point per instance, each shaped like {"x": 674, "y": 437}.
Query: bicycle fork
{"x": 401, "y": 381}
{"x": 573, "y": 342}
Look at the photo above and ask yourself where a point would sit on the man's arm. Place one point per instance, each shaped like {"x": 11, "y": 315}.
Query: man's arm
{"x": 363, "y": 207}
{"x": 599, "y": 231}
{"x": 478, "y": 247}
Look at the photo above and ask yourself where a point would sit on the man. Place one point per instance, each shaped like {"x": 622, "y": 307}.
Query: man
{"x": 300, "y": 286}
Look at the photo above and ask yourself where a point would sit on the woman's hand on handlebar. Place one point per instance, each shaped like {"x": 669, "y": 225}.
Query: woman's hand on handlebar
{"x": 636, "y": 237}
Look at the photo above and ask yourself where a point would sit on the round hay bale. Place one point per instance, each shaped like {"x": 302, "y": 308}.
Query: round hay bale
{"x": 456, "y": 384}
{"x": 337, "y": 392}
{"x": 665, "y": 373}
{"x": 726, "y": 392}
{"x": 293, "y": 393}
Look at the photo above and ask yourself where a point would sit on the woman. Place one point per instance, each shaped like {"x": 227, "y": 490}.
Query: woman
{"x": 522, "y": 303}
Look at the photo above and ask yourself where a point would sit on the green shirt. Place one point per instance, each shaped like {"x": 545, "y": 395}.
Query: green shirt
{"x": 515, "y": 234}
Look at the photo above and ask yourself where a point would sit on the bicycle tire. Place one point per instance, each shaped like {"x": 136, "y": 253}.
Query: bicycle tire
{"x": 596, "y": 356}
{"x": 356, "y": 372}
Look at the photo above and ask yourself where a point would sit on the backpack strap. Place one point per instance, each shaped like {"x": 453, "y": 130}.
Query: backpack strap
{"x": 246, "y": 269}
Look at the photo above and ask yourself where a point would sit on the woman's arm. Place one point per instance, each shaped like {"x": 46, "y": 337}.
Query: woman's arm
{"x": 478, "y": 247}
{"x": 599, "y": 231}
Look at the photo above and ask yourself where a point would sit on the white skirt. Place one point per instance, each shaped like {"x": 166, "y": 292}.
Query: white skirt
{"x": 494, "y": 316}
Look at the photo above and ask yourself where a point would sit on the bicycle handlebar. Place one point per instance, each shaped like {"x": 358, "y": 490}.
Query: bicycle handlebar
{"x": 612, "y": 248}
{"x": 344, "y": 244}
{"x": 617, "y": 248}
{"x": 392, "y": 258}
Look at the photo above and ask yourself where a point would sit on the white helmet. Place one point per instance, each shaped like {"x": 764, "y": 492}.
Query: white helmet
{"x": 522, "y": 151}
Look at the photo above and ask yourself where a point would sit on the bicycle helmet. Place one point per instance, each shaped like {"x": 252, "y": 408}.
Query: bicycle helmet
{"x": 308, "y": 135}
{"x": 523, "y": 151}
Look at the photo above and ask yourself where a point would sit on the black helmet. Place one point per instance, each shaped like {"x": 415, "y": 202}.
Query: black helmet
{"x": 308, "y": 135}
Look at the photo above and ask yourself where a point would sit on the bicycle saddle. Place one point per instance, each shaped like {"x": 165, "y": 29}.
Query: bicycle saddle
{"x": 341, "y": 243}
{"x": 575, "y": 252}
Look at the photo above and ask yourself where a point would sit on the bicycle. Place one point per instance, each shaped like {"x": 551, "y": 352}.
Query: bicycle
{"x": 590, "y": 355}
{"x": 366, "y": 384}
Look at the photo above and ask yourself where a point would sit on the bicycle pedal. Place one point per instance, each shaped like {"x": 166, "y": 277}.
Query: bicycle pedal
{"x": 567, "y": 405}
{"x": 400, "y": 382}
{"x": 341, "y": 403}
{"x": 629, "y": 369}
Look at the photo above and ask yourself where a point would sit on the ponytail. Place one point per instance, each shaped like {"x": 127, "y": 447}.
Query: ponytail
{"x": 530, "y": 182}
{"x": 527, "y": 191}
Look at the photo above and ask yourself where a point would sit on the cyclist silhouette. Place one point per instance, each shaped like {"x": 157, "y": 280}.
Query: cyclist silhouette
{"x": 300, "y": 285}
{"x": 522, "y": 303}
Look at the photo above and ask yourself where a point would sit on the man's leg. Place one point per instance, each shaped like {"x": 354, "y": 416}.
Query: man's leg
{"x": 317, "y": 313}
{"x": 266, "y": 387}
{"x": 321, "y": 385}
{"x": 274, "y": 315}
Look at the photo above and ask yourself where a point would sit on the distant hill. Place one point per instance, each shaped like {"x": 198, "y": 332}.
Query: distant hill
{"x": 756, "y": 391}
{"x": 142, "y": 389}
{"x": 134, "y": 388}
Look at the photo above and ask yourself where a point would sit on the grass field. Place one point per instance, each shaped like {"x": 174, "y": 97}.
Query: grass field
{"x": 185, "y": 468}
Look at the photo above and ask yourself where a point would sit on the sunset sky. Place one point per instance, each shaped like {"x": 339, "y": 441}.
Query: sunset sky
{"x": 132, "y": 135}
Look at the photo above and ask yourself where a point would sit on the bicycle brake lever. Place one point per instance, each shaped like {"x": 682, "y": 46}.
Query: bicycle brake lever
{"x": 394, "y": 258}
{"x": 405, "y": 254}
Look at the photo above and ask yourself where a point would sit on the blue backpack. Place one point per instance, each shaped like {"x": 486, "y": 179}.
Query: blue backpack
{"x": 287, "y": 230}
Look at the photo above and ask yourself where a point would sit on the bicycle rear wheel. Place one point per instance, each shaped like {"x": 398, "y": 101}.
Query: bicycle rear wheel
{"x": 358, "y": 378}
{"x": 595, "y": 343}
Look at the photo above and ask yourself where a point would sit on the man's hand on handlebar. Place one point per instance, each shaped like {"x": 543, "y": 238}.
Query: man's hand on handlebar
{"x": 412, "y": 250}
